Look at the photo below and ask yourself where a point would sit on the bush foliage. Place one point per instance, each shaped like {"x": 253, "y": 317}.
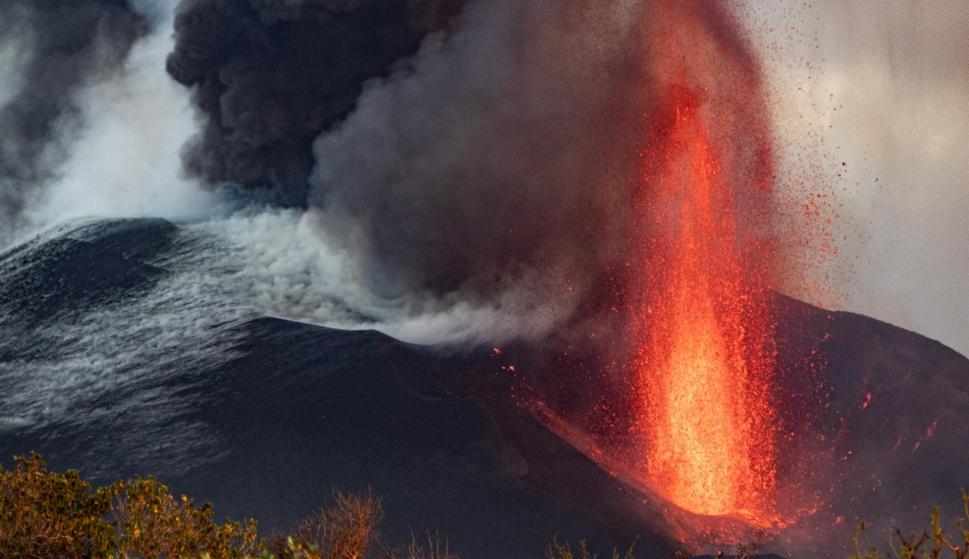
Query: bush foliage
{"x": 43, "y": 514}
{"x": 559, "y": 550}
{"x": 50, "y": 515}
{"x": 933, "y": 542}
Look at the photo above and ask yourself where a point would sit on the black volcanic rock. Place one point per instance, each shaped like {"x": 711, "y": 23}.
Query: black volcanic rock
{"x": 890, "y": 422}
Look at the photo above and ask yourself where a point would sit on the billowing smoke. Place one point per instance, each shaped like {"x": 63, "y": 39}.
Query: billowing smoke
{"x": 468, "y": 159}
{"x": 270, "y": 75}
{"x": 500, "y": 156}
{"x": 502, "y": 165}
{"x": 51, "y": 49}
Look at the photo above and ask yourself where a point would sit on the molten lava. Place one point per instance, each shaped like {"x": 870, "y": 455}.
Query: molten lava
{"x": 706, "y": 349}
{"x": 703, "y": 365}
{"x": 676, "y": 391}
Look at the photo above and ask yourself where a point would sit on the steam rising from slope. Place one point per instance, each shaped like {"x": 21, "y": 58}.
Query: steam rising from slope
{"x": 125, "y": 160}
{"x": 53, "y": 49}
{"x": 92, "y": 123}
{"x": 500, "y": 107}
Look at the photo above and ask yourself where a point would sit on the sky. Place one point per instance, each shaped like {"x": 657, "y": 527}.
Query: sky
{"x": 884, "y": 88}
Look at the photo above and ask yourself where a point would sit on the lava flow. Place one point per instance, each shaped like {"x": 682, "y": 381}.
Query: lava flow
{"x": 705, "y": 349}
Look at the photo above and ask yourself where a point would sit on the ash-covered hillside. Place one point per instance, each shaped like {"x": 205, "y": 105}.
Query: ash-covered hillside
{"x": 123, "y": 351}
{"x": 104, "y": 368}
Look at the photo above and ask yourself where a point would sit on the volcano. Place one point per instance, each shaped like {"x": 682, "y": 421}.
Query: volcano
{"x": 105, "y": 368}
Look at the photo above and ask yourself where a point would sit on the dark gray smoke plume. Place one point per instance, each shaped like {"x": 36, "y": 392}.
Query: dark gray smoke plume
{"x": 503, "y": 165}
{"x": 59, "y": 47}
{"x": 496, "y": 166}
{"x": 270, "y": 75}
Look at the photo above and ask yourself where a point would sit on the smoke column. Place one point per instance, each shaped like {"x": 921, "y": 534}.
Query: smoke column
{"x": 51, "y": 49}
{"x": 93, "y": 124}
{"x": 268, "y": 76}
{"x": 493, "y": 168}
{"x": 125, "y": 159}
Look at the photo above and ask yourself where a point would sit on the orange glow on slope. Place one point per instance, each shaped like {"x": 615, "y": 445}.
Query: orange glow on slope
{"x": 705, "y": 355}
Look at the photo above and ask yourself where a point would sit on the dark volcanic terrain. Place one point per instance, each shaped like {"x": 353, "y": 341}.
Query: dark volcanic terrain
{"x": 110, "y": 364}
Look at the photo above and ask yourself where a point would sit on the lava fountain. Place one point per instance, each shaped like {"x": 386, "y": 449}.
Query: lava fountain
{"x": 705, "y": 346}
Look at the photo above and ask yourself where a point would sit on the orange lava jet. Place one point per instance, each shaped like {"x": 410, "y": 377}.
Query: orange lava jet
{"x": 706, "y": 349}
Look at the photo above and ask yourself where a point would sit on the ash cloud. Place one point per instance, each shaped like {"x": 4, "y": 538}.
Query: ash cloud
{"x": 269, "y": 75}
{"x": 499, "y": 157}
{"x": 498, "y": 172}
{"x": 51, "y": 49}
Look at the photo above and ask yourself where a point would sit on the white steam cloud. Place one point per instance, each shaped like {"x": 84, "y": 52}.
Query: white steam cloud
{"x": 118, "y": 155}
{"x": 124, "y": 161}
{"x": 13, "y": 49}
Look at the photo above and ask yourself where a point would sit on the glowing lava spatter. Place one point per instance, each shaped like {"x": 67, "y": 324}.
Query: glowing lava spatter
{"x": 706, "y": 350}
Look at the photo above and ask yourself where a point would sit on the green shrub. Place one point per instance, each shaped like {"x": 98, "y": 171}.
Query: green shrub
{"x": 45, "y": 514}
{"x": 432, "y": 548}
{"x": 150, "y": 522}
